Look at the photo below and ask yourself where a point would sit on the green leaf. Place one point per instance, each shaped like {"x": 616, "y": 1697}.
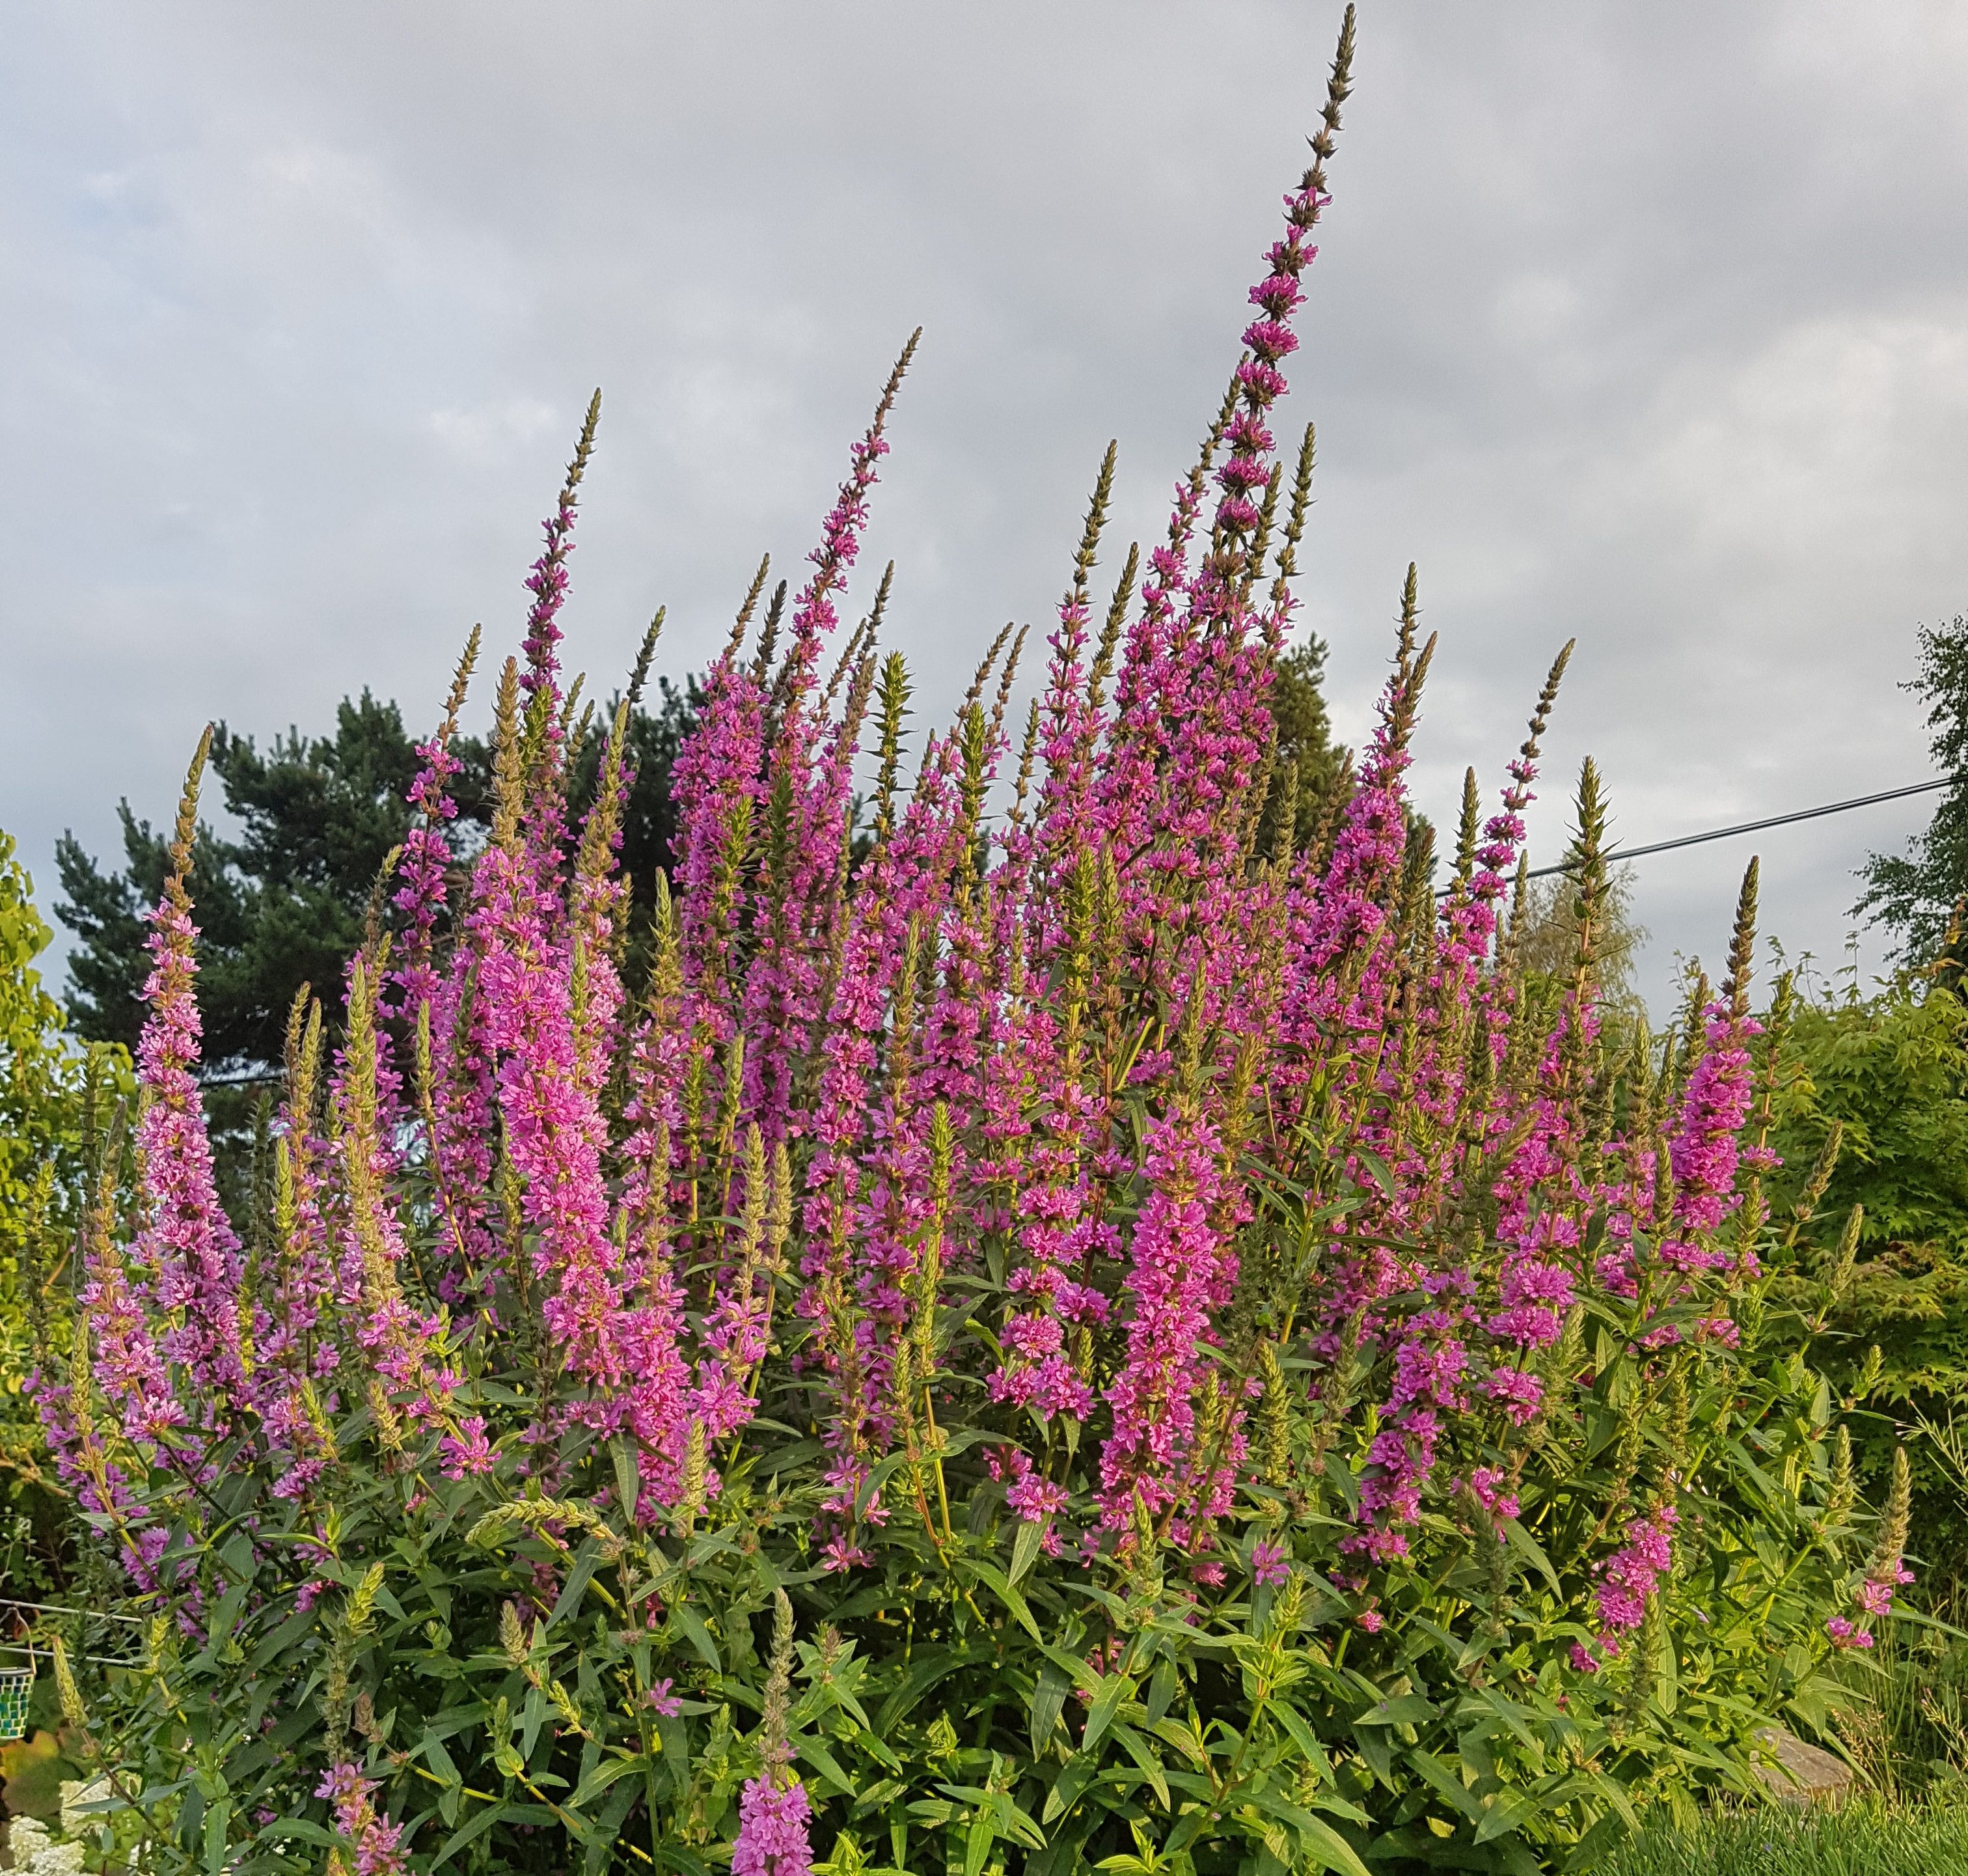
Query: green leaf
{"x": 607, "y": 1832}
{"x": 1321, "y": 1840}
{"x": 1294, "y": 1723}
{"x": 1137, "y": 1748}
{"x": 1615, "y": 1795}
{"x": 692, "y": 1625}
{"x": 1025, "y": 1548}
{"x": 1505, "y": 1812}
{"x": 675, "y": 1736}
{"x": 1377, "y": 1749}
{"x": 1445, "y": 1781}
{"x": 606, "y": 1773}
{"x": 273, "y": 1643}
{"x": 1521, "y": 1540}
{"x": 238, "y": 1557}
{"x": 468, "y": 1834}
{"x": 1114, "y": 1689}
{"x": 628, "y": 1474}
{"x": 216, "y": 1819}
{"x": 1667, "y": 1675}
{"x": 1047, "y": 1703}
{"x": 438, "y": 1759}
{"x": 923, "y": 1676}
{"x": 875, "y": 1749}
{"x": 1075, "y": 1776}
{"x": 977, "y": 1846}
{"x": 1014, "y": 1823}
{"x": 569, "y": 1602}
{"x": 1184, "y": 1741}
{"x": 1013, "y": 1600}
{"x": 1403, "y": 1710}
{"x": 810, "y": 1749}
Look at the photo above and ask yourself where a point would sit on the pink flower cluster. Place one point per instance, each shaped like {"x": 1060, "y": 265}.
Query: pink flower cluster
{"x": 1035, "y": 1051}
{"x": 376, "y": 1840}
{"x": 1631, "y": 1574}
{"x": 772, "y": 1830}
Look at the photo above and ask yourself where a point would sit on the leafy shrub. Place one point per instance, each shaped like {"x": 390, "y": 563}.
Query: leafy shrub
{"x": 1919, "y": 893}
{"x": 1070, "y": 1339}
{"x": 1873, "y": 1114}
{"x": 50, "y": 1092}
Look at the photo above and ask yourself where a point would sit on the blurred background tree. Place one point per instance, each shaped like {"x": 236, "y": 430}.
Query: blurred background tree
{"x": 1547, "y": 935}
{"x": 1915, "y": 893}
{"x": 280, "y": 906}
{"x": 53, "y": 1097}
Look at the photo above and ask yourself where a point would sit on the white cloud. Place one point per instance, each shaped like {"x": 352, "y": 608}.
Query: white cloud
{"x": 492, "y": 432}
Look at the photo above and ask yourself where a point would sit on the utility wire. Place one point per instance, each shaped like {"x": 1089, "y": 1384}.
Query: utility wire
{"x": 1744, "y": 827}
{"x": 1753, "y": 827}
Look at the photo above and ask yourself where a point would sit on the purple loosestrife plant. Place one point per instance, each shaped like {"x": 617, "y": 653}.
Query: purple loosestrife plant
{"x": 1208, "y": 1361}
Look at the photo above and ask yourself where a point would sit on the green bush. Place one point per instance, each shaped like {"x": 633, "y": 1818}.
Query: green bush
{"x": 1873, "y": 1108}
{"x": 51, "y": 1094}
{"x": 1069, "y": 1338}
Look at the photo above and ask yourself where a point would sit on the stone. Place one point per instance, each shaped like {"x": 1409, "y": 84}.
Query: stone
{"x": 1802, "y": 1774}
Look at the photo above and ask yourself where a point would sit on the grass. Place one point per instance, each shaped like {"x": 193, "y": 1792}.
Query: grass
{"x": 1867, "y": 1839}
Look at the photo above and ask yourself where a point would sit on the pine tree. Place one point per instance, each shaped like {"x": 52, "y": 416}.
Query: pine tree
{"x": 1305, "y": 738}
{"x": 284, "y": 902}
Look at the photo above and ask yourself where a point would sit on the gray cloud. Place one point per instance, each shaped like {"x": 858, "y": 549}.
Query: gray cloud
{"x": 1647, "y": 324}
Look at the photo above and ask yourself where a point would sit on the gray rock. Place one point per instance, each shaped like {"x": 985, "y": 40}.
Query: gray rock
{"x": 1803, "y": 1775}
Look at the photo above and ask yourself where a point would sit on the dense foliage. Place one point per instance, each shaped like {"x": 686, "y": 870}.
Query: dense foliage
{"x": 1063, "y": 1337}
{"x": 1916, "y": 892}
{"x": 50, "y": 1092}
{"x": 1872, "y": 1113}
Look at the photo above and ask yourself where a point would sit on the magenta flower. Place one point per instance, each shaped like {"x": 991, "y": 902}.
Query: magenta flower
{"x": 964, "y": 1100}
{"x": 1875, "y": 1598}
{"x": 1844, "y": 1634}
{"x": 467, "y": 1453}
{"x": 772, "y": 1830}
{"x": 185, "y": 1262}
{"x": 377, "y": 1841}
{"x": 1033, "y": 1496}
{"x": 1629, "y": 1577}
{"x": 1179, "y": 1270}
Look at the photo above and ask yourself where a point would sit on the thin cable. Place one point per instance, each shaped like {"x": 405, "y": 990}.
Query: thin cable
{"x": 34, "y": 1654}
{"x": 56, "y": 1608}
{"x": 1753, "y": 827}
{"x": 1746, "y": 826}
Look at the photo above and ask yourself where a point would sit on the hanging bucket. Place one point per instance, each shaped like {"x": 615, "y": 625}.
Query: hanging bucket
{"x": 17, "y": 1686}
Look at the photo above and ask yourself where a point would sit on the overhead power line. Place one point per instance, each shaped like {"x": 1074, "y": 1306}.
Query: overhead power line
{"x": 1754, "y": 827}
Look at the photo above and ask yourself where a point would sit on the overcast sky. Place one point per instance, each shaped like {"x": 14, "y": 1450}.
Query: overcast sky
{"x": 1643, "y": 323}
